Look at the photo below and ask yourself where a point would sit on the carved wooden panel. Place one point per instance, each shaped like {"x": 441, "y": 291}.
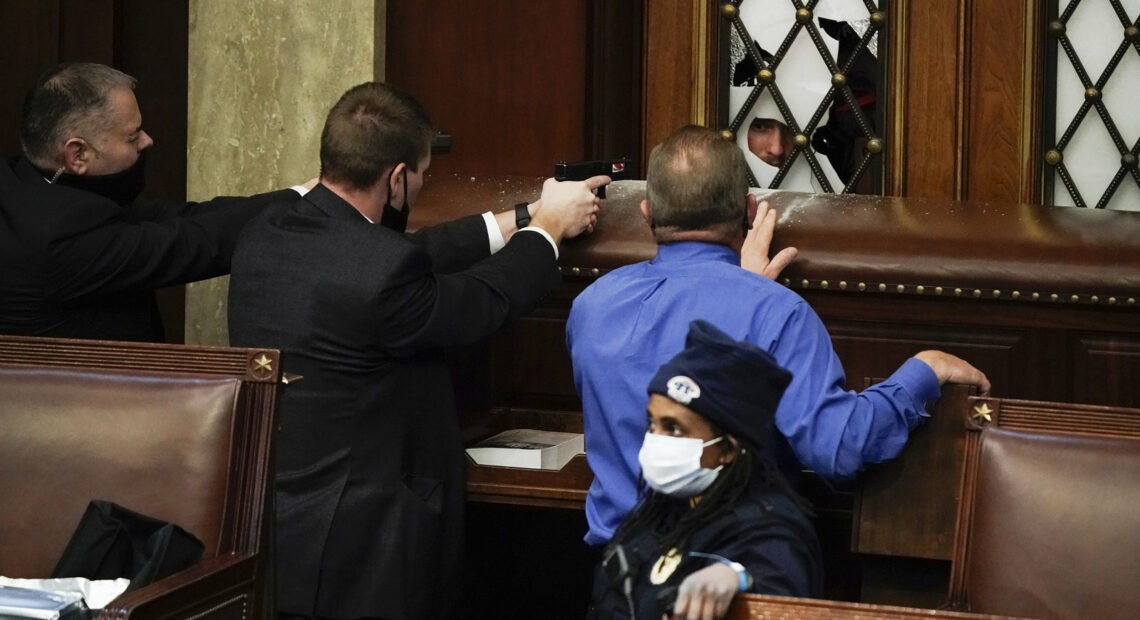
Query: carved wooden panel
{"x": 1106, "y": 368}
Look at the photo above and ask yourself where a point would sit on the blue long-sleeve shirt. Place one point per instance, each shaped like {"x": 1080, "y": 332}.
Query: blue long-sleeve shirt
{"x": 629, "y": 322}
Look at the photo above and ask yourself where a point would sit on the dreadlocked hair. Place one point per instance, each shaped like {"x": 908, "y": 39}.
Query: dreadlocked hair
{"x": 733, "y": 482}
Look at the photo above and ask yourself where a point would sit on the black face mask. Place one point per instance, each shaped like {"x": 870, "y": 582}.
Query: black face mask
{"x": 396, "y": 219}
{"x": 121, "y": 187}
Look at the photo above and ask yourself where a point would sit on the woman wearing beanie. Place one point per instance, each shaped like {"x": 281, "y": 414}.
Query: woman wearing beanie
{"x": 716, "y": 517}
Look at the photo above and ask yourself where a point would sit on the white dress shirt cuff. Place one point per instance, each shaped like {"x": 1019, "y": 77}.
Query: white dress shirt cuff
{"x": 494, "y": 235}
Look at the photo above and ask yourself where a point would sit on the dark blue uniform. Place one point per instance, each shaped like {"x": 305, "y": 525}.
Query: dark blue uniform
{"x": 765, "y": 531}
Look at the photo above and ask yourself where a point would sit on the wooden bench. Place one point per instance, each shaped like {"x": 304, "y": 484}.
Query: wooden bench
{"x": 1049, "y": 520}
{"x": 180, "y": 434}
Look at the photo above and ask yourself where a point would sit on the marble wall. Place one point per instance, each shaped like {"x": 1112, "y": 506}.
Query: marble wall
{"x": 262, "y": 76}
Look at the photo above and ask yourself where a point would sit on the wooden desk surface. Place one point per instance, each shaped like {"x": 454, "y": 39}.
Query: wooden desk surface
{"x": 766, "y": 607}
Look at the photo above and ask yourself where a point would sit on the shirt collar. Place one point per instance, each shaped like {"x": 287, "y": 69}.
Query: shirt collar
{"x": 695, "y": 250}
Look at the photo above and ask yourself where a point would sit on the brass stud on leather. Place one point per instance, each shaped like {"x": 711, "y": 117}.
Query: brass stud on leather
{"x": 900, "y": 289}
{"x": 1131, "y": 34}
{"x": 801, "y": 141}
{"x": 996, "y": 293}
{"x": 1035, "y": 296}
{"x": 595, "y": 272}
{"x": 728, "y": 10}
{"x": 938, "y": 290}
{"x": 766, "y": 76}
{"x": 838, "y": 80}
{"x": 1128, "y": 160}
{"x": 803, "y": 16}
{"x": 1092, "y": 93}
{"x": 878, "y": 19}
{"x": 804, "y": 284}
{"x": 1075, "y": 298}
{"x": 823, "y": 284}
{"x": 1112, "y": 301}
{"x": 843, "y": 285}
{"x": 920, "y": 289}
{"x": 873, "y": 146}
{"x": 977, "y": 293}
{"x": 862, "y": 286}
{"x": 1131, "y": 300}
{"x": 575, "y": 270}
{"x": 726, "y": 134}
{"x": 882, "y": 288}
{"x": 1056, "y": 28}
{"x": 957, "y": 292}
{"x": 1094, "y": 299}
{"x": 787, "y": 281}
{"x": 1015, "y": 295}
{"x": 1053, "y": 157}
{"x": 1054, "y": 297}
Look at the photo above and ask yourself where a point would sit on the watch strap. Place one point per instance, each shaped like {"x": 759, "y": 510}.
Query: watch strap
{"x": 742, "y": 575}
{"x": 522, "y": 215}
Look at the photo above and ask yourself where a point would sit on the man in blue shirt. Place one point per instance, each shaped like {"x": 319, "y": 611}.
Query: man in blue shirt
{"x": 629, "y": 322}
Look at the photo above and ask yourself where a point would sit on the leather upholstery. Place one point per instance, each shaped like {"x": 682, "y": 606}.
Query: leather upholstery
{"x": 183, "y": 434}
{"x": 1053, "y": 526}
{"x": 156, "y": 445}
{"x": 874, "y": 240}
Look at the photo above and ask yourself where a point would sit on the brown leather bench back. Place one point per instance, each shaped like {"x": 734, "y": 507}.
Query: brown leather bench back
{"x": 156, "y": 444}
{"x": 1049, "y": 522}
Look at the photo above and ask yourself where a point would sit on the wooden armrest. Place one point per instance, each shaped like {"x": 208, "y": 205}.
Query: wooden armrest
{"x": 770, "y": 607}
{"x": 212, "y": 585}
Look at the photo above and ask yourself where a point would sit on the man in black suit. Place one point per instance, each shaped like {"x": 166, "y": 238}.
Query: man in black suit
{"x": 81, "y": 253}
{"x": 370, "y": 469}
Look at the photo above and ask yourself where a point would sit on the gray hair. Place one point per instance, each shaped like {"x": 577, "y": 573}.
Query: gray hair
{"x": 70, "y": 100}
{"x": 697, "y": 181}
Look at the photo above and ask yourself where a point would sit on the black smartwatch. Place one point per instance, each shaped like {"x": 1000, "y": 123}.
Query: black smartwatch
{"x": 522, "y": 215}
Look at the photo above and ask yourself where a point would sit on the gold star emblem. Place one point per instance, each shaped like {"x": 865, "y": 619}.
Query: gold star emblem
{"x": 982, "y": 414}
{"x": 262, "y": 365}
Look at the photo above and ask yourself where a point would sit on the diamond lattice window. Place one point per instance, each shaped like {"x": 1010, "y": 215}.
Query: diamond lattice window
{"x": 1093, "y": 131}
{"x": 804, "y": 90}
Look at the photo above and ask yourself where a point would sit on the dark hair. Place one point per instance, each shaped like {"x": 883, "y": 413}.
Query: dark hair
{"x": 69, "y": 100}
{"x": 696, "y": 180}
{"x": 748, "y": 469}
{"x": 372, "y": 127}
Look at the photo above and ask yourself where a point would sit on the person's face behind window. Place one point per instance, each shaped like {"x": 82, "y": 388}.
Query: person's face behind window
{"x": 668, "y": 417}
{"x": 119, "y": 147}
{"x": 770, "y": 140}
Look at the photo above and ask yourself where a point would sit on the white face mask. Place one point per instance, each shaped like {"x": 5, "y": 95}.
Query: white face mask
{"x": 672, "y": 465}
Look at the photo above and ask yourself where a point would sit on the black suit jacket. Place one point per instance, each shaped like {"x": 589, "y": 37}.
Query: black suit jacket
{"x": 76, "y": 265}
{"x": 370, "y": 469}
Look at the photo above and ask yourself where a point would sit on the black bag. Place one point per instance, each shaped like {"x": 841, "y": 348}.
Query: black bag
{"x": 112, "y": 542}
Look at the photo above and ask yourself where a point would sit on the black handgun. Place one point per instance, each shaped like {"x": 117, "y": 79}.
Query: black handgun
{"x": 616, "y": 169}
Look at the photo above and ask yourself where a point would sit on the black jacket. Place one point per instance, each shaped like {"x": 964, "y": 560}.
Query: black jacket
{"x": 765, "y": 532}
{"x": 370, "y": 468}
{"x": 76, "y": 265}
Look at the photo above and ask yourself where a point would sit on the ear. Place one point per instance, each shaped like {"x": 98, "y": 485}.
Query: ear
{"x": 647, "y": 213}
{"x": 732, "y": 447}
{"x": 76, "y": 156}
{"x": 396, "y": 182}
